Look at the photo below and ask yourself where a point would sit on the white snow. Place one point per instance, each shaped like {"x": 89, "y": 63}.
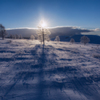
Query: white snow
{"x": 60, "y": 71}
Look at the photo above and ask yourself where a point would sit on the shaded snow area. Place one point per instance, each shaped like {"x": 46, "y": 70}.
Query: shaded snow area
{"x": 59, "y": 71}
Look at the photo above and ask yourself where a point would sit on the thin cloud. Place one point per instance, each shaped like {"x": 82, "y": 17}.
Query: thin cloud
{"x": 97, "y": 29}
{"x": 20, "y": 28}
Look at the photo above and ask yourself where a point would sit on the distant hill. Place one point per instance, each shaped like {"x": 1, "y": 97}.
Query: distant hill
{"x": 60, "y": 31}
{"x": 23, "y": 32}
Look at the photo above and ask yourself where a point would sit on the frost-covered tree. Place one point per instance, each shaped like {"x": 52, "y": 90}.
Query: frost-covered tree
{"x": 2, "y": 31}
{"x": 11, "y": 36}
{"x": 72, "y": 40}
{"x": 20, "y": 36}
{"x": 32, "y": 37}
{"x": 57, "y": 38}
{"x": 43, "y": 34}
{"x": 85, "y": 39}
{"x": 17, "y": 36}
{"x": 47, "y": 38}
{"x": 14, "y": 36}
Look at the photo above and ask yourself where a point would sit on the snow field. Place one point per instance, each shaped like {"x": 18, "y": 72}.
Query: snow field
{"x": 60, "y": 71}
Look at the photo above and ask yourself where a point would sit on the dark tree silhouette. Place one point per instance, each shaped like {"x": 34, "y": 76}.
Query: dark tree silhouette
{"x": 2, "y": 31}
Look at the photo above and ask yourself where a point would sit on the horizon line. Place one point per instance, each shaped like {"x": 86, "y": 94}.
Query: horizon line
{"x": 73, "y": 27}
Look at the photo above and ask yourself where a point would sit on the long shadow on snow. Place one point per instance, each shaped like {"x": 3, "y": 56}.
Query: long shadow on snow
{"x": 40, "y": 55}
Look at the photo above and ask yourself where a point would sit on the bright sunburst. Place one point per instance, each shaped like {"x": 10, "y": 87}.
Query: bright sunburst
{"x": 43, "y": 24}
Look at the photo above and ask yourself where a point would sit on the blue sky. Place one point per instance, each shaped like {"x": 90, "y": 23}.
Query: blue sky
{"x": 28, "y": 13}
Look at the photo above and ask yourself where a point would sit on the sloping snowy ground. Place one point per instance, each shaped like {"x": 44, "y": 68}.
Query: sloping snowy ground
{"x": 60, "y": 71}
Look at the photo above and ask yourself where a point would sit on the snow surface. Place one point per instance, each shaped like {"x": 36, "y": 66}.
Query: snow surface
{"x": 60, "y": 71}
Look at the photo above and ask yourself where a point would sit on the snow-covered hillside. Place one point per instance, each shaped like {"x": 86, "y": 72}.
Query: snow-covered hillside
{"x": 60, "y": 71}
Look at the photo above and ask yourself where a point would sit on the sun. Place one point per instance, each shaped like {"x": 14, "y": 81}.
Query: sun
{"x": 43, "y": 24}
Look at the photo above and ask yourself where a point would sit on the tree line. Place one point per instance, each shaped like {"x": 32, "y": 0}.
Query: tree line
{"x": 3, "y": 33}
{"x": 84, "y": 40}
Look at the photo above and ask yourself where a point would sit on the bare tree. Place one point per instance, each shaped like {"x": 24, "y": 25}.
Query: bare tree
{"x": 32, "y": 37}
{"x": 85, "y": 39}
{"x": 57, "y": 38}
{"x": 2, "y": 31}
{"x": 72, "y": 40}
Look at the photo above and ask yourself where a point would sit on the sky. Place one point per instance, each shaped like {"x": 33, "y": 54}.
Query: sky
{"x": 28, "y": 13}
